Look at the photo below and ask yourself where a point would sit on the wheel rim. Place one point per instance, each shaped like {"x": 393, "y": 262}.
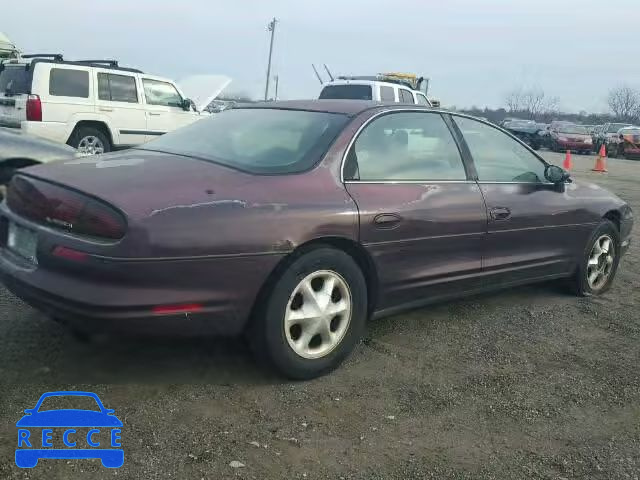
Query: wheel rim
{"x": 90, "y": 145}
{"x": 600, "y": 262}
{"x": 318, "y": 314}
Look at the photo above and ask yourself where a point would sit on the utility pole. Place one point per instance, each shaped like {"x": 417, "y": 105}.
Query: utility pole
{"x": 276, "y": 78}
{"x": 272, "y": 28}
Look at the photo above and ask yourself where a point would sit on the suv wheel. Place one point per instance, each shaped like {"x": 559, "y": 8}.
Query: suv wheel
{"x": 90, "y": 141}
{"x": 313, "y": 317}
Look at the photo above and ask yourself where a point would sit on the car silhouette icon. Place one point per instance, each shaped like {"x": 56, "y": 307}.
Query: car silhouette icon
{"x": 33, "y": 446}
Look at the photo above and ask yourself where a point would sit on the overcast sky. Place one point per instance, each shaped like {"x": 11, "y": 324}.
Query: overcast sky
{"x": 473, "y": 51}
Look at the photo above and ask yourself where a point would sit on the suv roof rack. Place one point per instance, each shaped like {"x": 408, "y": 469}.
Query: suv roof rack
{"x": 377, "y": 78}
{"x": 111, "y": 63}
{"x": 55, "y": 56}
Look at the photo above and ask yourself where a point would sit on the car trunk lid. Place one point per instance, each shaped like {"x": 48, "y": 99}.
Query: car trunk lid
{"x": 140, "y": 183}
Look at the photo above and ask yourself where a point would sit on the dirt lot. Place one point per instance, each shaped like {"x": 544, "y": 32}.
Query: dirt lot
{"x": 529, "y": 383}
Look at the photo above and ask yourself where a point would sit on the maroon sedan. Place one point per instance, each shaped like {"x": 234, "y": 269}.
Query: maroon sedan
{"x": 295, "y": 222}
{"x": 571, "y": 137}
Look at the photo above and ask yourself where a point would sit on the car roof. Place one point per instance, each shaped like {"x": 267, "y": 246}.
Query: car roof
{"x": 346, "y": 107}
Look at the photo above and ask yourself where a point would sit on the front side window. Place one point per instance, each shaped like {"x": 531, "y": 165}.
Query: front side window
{"x": 413, "y": 146}
{"x": 64, "y": 82}
{"x": 161, "y": 93}
{"x": 387, "y": 94}
{"x": 405, "y": 96}
{"x": 117, "y": 88}
{"x": 498, "y": 157}
{"x": 256, "y": 140}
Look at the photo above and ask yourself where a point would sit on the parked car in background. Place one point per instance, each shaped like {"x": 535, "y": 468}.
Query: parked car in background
{"x": 608, "y": 133}
{"x": 283, "y": 220}
{"x": 570, "y": 137}
{"x": 380, "y": 88}
{"x": 95, "y": 106}
{"x": 19, "y": 150}
{"x": 525, "y": 130}
{"x": 627, "y": 144}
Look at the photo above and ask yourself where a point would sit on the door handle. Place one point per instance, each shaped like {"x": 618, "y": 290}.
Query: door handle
{"x": 387, "y": 220}
{"x": 103, "y": 109}
{"x": 154, "y": 114}
{"x": 500, "y": 213}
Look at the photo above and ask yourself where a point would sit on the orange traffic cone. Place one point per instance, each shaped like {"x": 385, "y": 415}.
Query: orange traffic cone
{"x": 567, "y": 164}
{"x": 601, "y": 161}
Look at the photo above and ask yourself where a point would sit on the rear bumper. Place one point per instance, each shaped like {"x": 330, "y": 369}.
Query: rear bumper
{"x": 54, "y": 131}
{"x": 575, "y": 145}
{"x": 115, "y": 294}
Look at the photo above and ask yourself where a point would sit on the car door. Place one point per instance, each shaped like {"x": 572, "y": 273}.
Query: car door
{"x": 164, "y": 108}
{"x": 534, "y": 226}
{"x": 121, "y": 103}
{"x": 421, "y": 217}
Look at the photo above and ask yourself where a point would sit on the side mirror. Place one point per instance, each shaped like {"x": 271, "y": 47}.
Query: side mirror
{"x": 29, "y": 410}
{"x": 621, "y": 137}
{"x": 186, "y": 104}
{"x": 109, "y": 411}
{"x": 555, "y": 174}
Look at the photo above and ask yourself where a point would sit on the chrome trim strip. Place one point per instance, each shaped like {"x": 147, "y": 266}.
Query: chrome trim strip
{"x": 415, "y": 182}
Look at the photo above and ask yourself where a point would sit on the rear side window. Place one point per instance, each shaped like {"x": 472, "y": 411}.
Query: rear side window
{"x": 347, "y": 92}
{"x": 406, "y": 96}
{"x": 117, "y": 88}
{"x": 422, "y": 100}
{"x": 15, "y": 79}
{"x": 64, "y": 82}
{"x": 412, "y": 146}
{"x": 161, "y": 93}
{"x": 387, "y": 94}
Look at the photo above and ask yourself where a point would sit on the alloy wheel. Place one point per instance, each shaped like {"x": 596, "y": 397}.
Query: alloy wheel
{"x": 90, "y": 145}
{"x": 318, "y": 314}
{"x": 600, "y": 264}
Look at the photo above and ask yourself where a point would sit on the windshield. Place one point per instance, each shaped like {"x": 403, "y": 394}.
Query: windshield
{"x": 575, "y": 129}
{"x": 614, "y": 127}
{"x": 257, "y": 140}
{"x": 15, "y": 79}
{"x": 347, "y": 92}
{"x": 66, "y": 402}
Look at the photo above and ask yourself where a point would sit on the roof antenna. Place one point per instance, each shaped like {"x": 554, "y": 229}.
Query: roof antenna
{"x": 328, "y": 72}
{"x": 317, "y": 74}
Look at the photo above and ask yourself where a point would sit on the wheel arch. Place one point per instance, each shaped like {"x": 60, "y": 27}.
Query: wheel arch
{"x": 97, "y": 124}
{"x": 352, "y": 248}
{"x": 614, "y": 216}
{"x": 18, "y": 162}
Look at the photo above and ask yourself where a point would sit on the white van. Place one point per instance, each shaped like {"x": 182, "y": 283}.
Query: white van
{"x": 380, "y": 88}
{"x": 92, "y": 105}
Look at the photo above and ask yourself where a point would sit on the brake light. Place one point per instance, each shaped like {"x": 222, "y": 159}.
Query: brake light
{"x": 64, "y": 209}
{"x": 34, "y": 108}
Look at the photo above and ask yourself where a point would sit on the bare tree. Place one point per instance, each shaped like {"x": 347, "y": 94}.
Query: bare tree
{"x": 514, "y": 100}
{"x": 624, "y": 102}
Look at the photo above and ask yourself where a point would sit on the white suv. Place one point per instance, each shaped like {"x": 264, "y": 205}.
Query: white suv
{"x": 377, "y": 88}
{"x": 94, "y": 106}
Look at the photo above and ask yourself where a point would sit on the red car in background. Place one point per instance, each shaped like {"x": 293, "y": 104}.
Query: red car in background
{"x": 570, "y": 137}
{"x": 628, "y": 144}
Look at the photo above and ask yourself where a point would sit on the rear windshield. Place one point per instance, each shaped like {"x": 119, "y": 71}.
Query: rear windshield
{"x": 257, "y": 140}
{"x": 575, "y": 129}
{"x": 15, "y": 79}
{"x": 347, "y": 92}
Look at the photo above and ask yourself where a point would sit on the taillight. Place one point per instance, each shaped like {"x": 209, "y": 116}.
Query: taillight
{"x": 64, "y": 209}
{"x": 34, "y": 108}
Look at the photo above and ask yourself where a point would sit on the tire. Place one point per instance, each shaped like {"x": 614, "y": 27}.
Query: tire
{"x": 89, "y": 141}
{"x": 299, "y": 353}
{"x": 580, "y": 283}
{"x": 613, "y": 153}
{"x": 535, "y": 145}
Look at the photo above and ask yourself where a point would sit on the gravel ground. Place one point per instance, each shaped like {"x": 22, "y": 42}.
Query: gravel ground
{"x": 529, "y": 383}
